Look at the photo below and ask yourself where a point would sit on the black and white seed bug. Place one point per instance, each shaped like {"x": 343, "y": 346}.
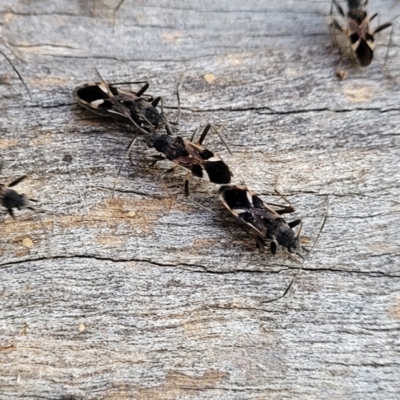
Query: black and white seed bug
{"x": 195, "y": 158}
{"x": 358, "y": 30}
{"x": 265, "y": 221}
{"x": 130, "y": 108}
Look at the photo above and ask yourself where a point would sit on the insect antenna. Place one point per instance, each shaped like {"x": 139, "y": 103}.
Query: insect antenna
{"x": 179, "y": 87}
{"x": 19, "y": 75}
{"x": 115, "y": 13}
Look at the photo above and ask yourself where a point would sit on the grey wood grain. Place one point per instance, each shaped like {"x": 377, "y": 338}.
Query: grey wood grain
{"x": 117, "y": 298}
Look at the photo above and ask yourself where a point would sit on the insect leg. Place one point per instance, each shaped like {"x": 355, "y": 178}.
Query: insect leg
{"x": 194, "y": 134}
{"x": 282, "y": 197}
{"x": 156, "y": 159}
{"x": 16, "y": 181}
{"x": 168, "y": 192}
{"x": 115, "y": 12}
{"x": 187, "y": 179}
{"x": 260, "y": 243}
{"x": 285, "y": 210}
{"x": 294, "y": 223}
{"x": 155, "y": 102}
{"x": 178, "y": 96}
{"x": 382, "y": 27}
{"x": 143, "y": 89}
{"x": 122, "y": 163}
{"x": 273, "y": 247}
{"x": 388, "y": 47}
{"x": 338, "y": 8}
{"x": 205, "y": 132}
{"x": 11, "y": 212}
{"x": 170, "y": 171}
{"x": 222, "y": 139}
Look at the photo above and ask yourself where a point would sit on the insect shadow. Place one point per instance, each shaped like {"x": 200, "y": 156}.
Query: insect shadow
{"x": 11, "y": 199}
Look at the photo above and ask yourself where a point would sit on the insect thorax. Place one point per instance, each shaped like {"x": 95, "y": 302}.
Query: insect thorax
{"x": 145, "y": 114}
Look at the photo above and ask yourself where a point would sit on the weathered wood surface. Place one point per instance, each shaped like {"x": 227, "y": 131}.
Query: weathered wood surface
{"x": 107, "y": 298}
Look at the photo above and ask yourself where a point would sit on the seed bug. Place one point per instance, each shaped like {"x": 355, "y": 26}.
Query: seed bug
{"x": 358, "y": 30}
{"x": 193, "y": 157}
{"x": 11, "y": 199}
{"x": 131, "y": 108}
{"x": 264, "y": 220}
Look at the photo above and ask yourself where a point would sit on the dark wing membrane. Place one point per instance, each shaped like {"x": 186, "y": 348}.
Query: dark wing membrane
{"x": 122, "y": 95}
{"x": 267, "y": 213}
{"x": 100, "y": 99}
{"x": 248, "y": 207}
{"x": 172, "y": 147}
{"x": 193, "y": 165}
{"x": 234, "y": 197}
{"x": 218, "y": 171}
{"x": 364, "y": 53}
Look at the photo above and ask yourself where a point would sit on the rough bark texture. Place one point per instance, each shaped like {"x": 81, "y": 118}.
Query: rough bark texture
{"x": 117, "y": 298}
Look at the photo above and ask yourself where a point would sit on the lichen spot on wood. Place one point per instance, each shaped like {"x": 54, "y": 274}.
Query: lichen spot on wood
{"x": 27, "y": 242}
{"x": 209, "y": 78}
{"x": 358, "y": 95}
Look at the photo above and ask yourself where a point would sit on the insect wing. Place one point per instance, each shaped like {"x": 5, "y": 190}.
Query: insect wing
{"x": 101, "y": 99}
{"x": 247, "y": 206}
{"x": 361, "y": 39}
{"x": 204, "y": 164}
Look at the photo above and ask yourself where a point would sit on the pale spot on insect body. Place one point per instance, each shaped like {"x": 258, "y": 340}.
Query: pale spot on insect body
{"x": 96, "y": 103}
{"x": 205, "y": 175}
{"x": 103, "y": 87}
{"x": 249, "y": 197}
